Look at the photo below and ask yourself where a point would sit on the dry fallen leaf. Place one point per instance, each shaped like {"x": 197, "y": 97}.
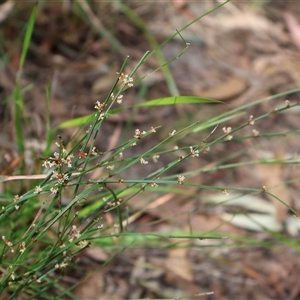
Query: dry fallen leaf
{"x": 254, "y": 222}
{"x": 253, "y": 22}
{"x": 294, "y": 28}
{"x": 229, "y": 89}
{"x": 91, "y": 287}
{"x": 5, "y": 9}
{"x": 97, "y": 254}
{"x": 272, "y": 179}
{"x": 250, "y": 202}
{"x": 179, "y": 264}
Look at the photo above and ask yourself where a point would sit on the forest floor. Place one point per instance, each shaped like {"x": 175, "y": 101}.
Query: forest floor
{"x": 241, "y": 53}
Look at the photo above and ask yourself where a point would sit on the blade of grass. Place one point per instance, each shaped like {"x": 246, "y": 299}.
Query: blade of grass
{"x": 156, "y": 102}
{"x": 17, "y": 93}
{"x": 50, "y": 133}
{"x": 27, "y": 39}
{"x": 178, "y": 100}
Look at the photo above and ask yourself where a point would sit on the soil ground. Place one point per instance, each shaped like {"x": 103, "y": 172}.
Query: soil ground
{"x": 241, "y": 53}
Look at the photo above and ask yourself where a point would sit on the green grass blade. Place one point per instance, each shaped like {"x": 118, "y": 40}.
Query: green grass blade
{"x": 178, "y": 100}
{"x": 17, "y": 93}
{"x": 27, "y": 38}
{"x": 19, "y": 107}
{"x": 49, "y": 131}
{"x": 156, "y": 102}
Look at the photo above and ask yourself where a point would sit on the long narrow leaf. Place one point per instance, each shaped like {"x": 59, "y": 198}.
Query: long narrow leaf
{"x": 27, "y": 38}
{"x": 178, "y": 100}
